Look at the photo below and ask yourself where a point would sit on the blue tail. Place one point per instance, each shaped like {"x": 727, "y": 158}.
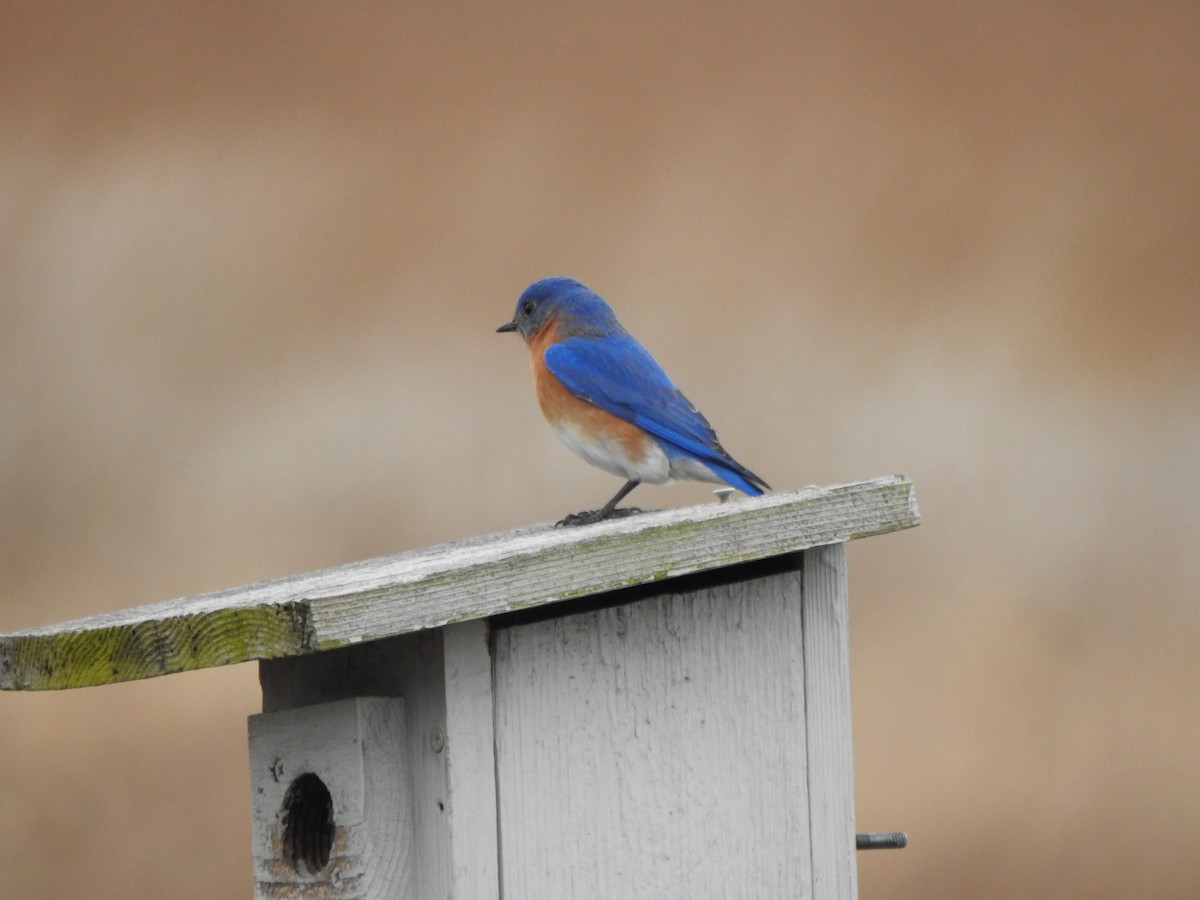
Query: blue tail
{"x": 739, "y": 476}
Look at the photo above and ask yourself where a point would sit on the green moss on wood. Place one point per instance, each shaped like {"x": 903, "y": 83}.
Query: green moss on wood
{"x": 70, "y": 659}
{"x": 426, "y": 589}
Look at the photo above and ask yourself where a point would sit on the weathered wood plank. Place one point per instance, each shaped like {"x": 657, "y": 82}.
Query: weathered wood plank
{"x": 471, "y": 763}
{"x": 409, "y": 666}
{"x": 445, "y": 678}
{"x": 455, "y": 582}
{"x": 657, "y": 749}
{"x": 355, "y": 840}
{"x": 830, "y": 742}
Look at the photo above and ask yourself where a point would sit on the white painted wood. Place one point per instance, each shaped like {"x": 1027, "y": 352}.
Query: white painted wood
{"x": 409, "y": 666}
{"x": 427, "y": 588}
{"x": 357, "y": 749}
{"x": 830, "y": 744}
{"x": 445, "y": 679}
{"x": 471, "y": 762}
{"x": 657, "y": 750}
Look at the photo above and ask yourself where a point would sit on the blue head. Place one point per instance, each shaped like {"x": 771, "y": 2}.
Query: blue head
{"x": 574, "y": 308}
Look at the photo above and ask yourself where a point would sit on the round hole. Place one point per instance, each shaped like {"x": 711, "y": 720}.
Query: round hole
{"x": 307, "y": 824}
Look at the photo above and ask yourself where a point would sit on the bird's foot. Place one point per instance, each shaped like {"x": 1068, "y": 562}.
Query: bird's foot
{"x": 589, "y": 516}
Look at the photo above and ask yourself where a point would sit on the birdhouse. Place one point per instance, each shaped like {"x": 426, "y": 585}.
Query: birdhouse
{"x": 656, "y": 706}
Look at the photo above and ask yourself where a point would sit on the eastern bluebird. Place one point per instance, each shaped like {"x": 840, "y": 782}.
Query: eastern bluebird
{"x": 610, "y": 401}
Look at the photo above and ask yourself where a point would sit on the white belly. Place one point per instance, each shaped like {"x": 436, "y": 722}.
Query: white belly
{"x": 612, "y": 455}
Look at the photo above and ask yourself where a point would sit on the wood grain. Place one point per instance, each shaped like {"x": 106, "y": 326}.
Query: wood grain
{"x": 471, "y": 763}
{"x": 830, "y": 740}
{"x": 357, "y": 750}
{"x": 657, "y": 749}
{"x": 455, "y": 582}
{"x": 410, "y": 666}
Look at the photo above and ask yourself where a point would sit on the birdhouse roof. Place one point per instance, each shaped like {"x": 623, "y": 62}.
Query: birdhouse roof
{"x": 469, "y": 579}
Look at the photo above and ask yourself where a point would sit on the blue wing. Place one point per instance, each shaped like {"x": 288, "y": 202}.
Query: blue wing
{"x": 617, "y": 374}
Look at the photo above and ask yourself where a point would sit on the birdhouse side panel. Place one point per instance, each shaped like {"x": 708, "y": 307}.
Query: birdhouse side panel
{"x": 657, "y": 749}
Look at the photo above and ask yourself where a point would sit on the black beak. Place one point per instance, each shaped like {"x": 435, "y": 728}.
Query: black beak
{"x": 508, "y": 326}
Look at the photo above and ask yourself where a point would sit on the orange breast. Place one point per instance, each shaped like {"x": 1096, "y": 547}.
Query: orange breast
{"x": 561, "y": 407}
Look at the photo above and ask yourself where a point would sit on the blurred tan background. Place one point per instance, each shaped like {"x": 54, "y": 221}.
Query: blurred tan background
{"x": 251, "y": 262}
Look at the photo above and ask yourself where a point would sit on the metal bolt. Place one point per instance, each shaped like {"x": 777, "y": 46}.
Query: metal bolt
{"x": 277, "y": 769}
{"x": 881, "y": 840}
{"x": 437, "y": 740}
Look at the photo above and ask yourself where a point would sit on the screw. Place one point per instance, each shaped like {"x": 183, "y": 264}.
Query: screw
{"x": 277, "y": 769}
{"x": 723, "y": 494}
{"x": 881, "y": 840}
{"x": 437, "y": 740}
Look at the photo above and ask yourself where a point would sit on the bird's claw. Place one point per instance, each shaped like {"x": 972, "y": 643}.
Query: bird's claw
{"x": 590, "y": 516}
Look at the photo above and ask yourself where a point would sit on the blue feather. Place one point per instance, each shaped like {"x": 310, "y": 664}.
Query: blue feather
{"x": 619, "y": 375}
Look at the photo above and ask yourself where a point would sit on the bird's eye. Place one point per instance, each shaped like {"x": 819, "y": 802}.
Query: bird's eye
{"x": 528, "y": 307}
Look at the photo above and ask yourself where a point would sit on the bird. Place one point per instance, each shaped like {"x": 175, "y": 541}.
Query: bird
{"x": 611, "y": 402}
